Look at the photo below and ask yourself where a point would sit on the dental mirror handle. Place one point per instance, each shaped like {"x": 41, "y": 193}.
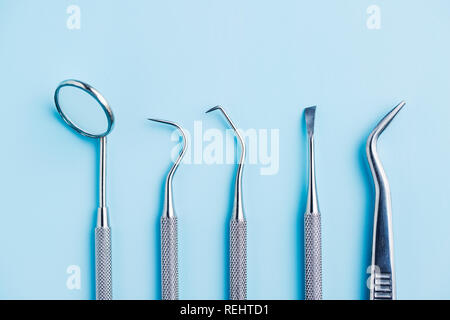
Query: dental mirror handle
{"x": 103, "y": 270}
{"x": 103, "y": 262}
{"x": 238, "y": 259}
{"x": 169, "y": 258}
{"x": 313, "y": 256}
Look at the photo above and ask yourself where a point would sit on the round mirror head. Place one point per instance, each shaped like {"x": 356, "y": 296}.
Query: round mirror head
{"x": 84, "y": 109}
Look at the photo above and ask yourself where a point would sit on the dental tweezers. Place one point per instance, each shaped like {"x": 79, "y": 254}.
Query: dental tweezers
{"x": 382, "y": 286}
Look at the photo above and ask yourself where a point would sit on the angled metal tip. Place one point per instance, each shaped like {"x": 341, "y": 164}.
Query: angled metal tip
{"x": 215, "y": 108}
{"x": 385, "y": 121}
{"x": 183, "y": 135}
{"x": 163, "y": 121}
{"x": 236, "y": 131}
{"x": 310, "y": 114}
{"x": 371, "y": 147}
{"x": 238, "y": 208}
{"x": 230, "y": 122}
{"x": 168, "y": 202}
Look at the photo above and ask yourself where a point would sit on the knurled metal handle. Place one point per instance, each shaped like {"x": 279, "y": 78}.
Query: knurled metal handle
{"x": 103, "y": 271}
{"x": 313, "y": 257}
{"x": 169, "y": 258}
{"x": 238, "y": 260}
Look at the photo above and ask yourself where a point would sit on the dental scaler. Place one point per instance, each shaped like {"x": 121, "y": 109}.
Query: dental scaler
{"x": 169, "y": 229}
{"x": 238, "y": 228}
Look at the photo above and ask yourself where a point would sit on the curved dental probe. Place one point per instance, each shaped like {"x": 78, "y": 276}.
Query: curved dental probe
{"x": 238, "y": 212}
{"x": 169, "y": 229}
{"x": 168, "y": 205}
{"x": 383, "y": 285}
{"x": 238, "y": 228}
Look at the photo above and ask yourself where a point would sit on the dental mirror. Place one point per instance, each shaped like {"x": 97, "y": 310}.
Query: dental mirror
{"x": 88, "y": 113}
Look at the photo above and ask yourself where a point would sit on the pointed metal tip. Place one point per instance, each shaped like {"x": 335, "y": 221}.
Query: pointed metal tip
{"x": 395, "y": 110}
{"x": 310, "y": 114}
{"x": 165, "y": 122}
{"x": 382, "y": 124}
{"x": 214, "y": 108}
{"x": 174, "y": 124}
{"x": 401, "y": 105}
{"x": 388, "y": 118}
{"x": 157, "y": 120}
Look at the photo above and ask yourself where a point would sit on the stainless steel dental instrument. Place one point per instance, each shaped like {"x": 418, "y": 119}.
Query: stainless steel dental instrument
{"x": 103, "y": 272}
{"x": 169, "y": 229}
{"x": 313, "y": 233}
{"x": 238, "y": 228}
{"x": 382, "y": 278}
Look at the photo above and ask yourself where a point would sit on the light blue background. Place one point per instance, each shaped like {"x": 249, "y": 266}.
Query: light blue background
{"x": 264, "y": 61}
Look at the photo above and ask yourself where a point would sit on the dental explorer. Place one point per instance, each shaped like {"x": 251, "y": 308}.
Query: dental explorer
{"x": 382, "y": 286}
{"x": 238, "y": 228}
{"x": 103, "y": 267}
{"x": 313, "y": 233}
{"x": 169, "y": 229}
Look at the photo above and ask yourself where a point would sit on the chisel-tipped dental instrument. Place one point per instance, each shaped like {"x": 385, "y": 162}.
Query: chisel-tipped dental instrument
{"x": 313, "y": 233}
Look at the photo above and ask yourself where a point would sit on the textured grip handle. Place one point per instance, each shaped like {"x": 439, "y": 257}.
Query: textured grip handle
{"x": 382, "y": 286}
{"x": 313, "y": 257}
{"x": 169, "y": 258}
{"x": 103, "y": 272}
{"x": 238, "y": 260}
